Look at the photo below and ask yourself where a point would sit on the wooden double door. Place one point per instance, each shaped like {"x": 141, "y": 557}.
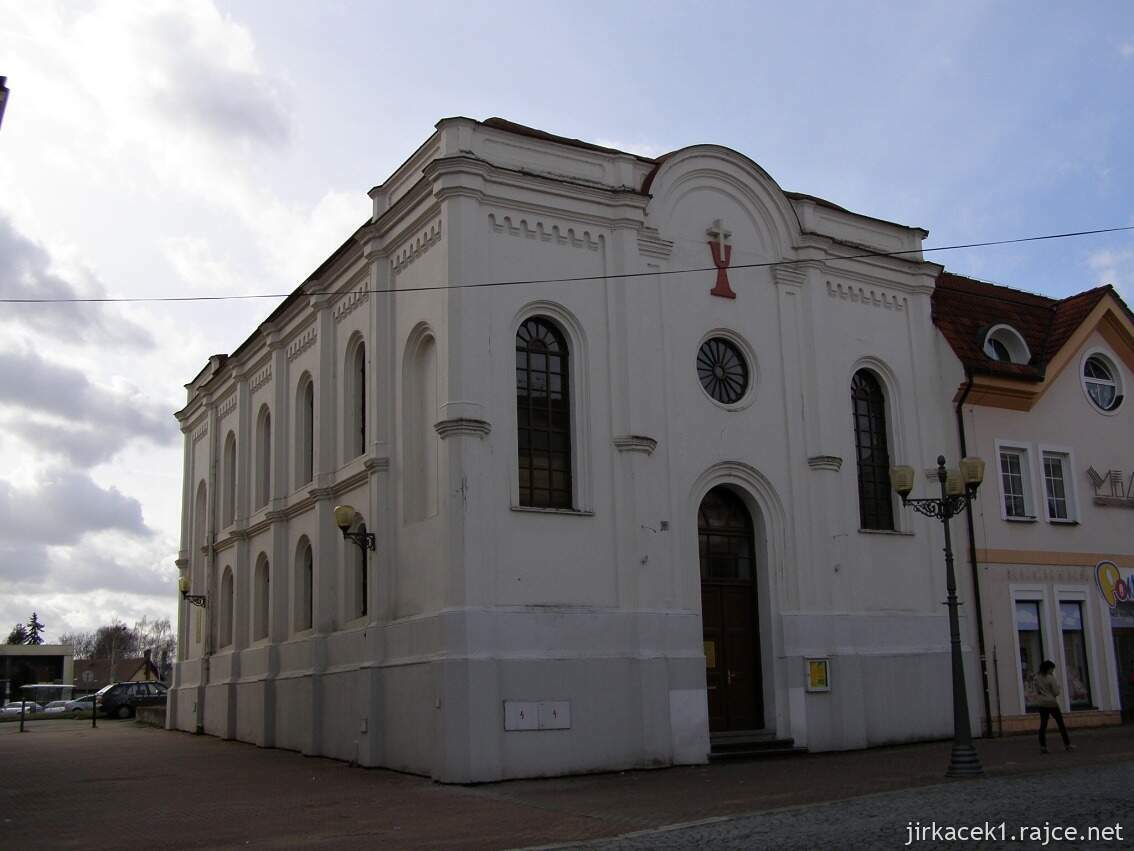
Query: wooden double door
{"x": 729, "y": 613}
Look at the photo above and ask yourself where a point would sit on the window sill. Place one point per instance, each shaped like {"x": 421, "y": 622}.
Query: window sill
{"x": 1055, "y": 521}
{"x": 900, "y": 533}
{"x": 1028, "y": 519}
{"x": 531, "y": 509}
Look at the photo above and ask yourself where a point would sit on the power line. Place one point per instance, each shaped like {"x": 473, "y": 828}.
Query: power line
{"x": 580, "y": 278}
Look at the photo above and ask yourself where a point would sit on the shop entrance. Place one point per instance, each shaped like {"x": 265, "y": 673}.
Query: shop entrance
{"x": 729, "y": 613}
{"x": 1122, "y": 627}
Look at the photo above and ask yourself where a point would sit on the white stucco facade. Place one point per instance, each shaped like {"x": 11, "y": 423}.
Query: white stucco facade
{"x": 1039, "y": 585}
{"x": 476, "y": 608}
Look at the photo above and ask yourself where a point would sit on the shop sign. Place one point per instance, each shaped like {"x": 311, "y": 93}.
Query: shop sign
{"x": 1112, "y": 487}
{"x": 818, "y": 674}
{"x": 1115, "y": 583}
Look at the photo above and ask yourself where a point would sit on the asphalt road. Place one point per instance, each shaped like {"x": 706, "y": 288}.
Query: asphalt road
{"x": 1030, "y": 811}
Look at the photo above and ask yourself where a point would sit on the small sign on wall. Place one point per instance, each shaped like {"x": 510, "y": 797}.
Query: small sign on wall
{"x": 818, "y": 674}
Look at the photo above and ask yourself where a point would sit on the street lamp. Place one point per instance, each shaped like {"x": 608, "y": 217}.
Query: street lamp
{"x": 344, "y": 518}
{"x": 195, "y": 599}
{"x": 958, "y": 490}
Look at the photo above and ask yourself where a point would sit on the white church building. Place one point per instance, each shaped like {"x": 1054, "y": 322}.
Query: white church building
{"x": 620, "y": 428}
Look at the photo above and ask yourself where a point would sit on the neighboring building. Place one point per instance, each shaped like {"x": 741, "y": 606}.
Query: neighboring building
{"x": 93, "y": 674}
{"x": 615, "y": 514}
{"x": 1044, "y": 387}
{"x": 29, "y": 664}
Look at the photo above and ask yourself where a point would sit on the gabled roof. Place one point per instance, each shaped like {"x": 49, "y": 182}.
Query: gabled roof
{"x": 965, "y": 309}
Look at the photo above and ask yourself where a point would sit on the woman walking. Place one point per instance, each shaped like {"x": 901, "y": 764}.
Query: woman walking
{"x": 1047, "y": 700}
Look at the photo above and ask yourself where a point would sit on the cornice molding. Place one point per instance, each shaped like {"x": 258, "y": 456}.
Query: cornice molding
{"x": 376, "y": 463}
{"x": 560, "y": 234}
{"x": 834, "y": 463}
{"x": 416, "y": 247}
{"x": 303, "y": 342}
{"x": 462, "y": 427}
{"x": 869, "y": 296}
{"x": 261, "y": 378}
{"x": 635, "y": 443}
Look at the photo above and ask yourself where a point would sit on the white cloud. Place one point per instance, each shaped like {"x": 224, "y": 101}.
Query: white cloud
{"x": 1115, "y": 266}
{"x": 1127, "y": 49}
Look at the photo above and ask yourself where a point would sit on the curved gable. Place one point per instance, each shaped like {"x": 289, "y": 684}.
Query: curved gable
{"x": 693, "y": 187}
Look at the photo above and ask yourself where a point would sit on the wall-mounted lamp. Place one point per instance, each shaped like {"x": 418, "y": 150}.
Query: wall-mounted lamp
{"x": 344, "y": 518}
{"x": 194, "y": 599}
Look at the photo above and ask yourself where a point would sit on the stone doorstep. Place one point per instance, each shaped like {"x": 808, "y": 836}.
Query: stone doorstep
{"x": 1017, "y": 724}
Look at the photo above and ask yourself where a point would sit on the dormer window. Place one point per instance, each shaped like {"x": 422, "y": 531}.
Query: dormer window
{"x": 1003, "y": 343}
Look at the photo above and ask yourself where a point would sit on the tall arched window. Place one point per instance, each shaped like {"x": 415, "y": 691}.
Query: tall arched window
{"x": 304, "y": 585}
{"x": 228, "y": 469}
{"x": 419, "y": 414}
{"x": 305, "y": 431}
{"x": 358, "y": 578}
{"x": 260, "y": 598}
{"x": 263, "y": 457}
{"x": 200, "y": 520}
{"x": 356, "y": 400}
{"x": 875, "y": 503}
{"x": 543, "y": 415}
{"x": 224, "y": 637}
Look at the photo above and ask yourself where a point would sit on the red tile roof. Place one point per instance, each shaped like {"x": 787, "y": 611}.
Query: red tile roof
{"x": 964, "y": 309}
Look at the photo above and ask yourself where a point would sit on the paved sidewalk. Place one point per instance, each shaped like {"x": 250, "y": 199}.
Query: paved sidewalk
{"x": 66, "y": 785}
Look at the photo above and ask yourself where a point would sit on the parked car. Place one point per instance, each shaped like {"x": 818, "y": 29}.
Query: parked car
{"x": 80, "y": 704}
{"x": 56, "y": 707}
{"x": 123, "y": 699}
{"x": 12, "y": 707}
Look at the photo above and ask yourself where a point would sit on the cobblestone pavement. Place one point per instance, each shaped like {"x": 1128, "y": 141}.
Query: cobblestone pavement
{"x": 65, "y": 785}
{"x": 1031, "y": 811}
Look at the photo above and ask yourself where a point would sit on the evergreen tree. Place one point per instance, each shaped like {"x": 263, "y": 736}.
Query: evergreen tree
{"x": 34, "y": 630}
{"x": 18, "y": 635}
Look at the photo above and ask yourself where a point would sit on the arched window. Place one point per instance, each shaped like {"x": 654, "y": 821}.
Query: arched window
{"x": 1003, "y": 343}
{"x": 419, "y": 414}
{"x": 263, "y": 457}
{"x": 305, "y": 431}
{"x": 357, "y": 579}
{"x": 875, "y": 504}
{"x": 200, "y": 520}
{"x": 224, "y": 638}
{"x": 228, "y": 470}
{"x": 356, "y": 400}
{"x": 304, "y": 586}
{"x": 260, "y": 599}
{"x": 543, "y": 415}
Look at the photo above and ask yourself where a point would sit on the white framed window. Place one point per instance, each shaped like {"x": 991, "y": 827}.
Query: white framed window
{"x": 1059, "y": 503}
{"x": 1102, "y": 381}
{"x": 1016, "y": 498}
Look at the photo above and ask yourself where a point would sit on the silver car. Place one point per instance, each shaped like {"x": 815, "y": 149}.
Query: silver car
{"x": 12, "y": 707}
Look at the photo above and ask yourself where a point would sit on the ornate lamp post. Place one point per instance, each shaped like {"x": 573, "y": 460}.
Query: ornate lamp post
{"x": 958, "y": 490}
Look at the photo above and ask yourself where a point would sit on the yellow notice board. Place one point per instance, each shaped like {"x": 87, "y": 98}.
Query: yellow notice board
{"x": 818, "y": 674}
{"x": 710, "y": 654}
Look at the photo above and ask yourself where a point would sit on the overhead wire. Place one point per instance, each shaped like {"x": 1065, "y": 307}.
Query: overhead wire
{"x": 576, "y": 279}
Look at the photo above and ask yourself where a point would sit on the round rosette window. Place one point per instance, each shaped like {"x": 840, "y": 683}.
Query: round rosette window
{"x": 723, "y": 370}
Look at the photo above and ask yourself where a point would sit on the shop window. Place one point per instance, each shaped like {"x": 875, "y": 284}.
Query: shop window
{"x": 1075, "y": 654}
{"x": 1031, "y": 647}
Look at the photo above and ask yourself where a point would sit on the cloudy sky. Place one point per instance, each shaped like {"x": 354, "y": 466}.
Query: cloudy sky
{"x": 209, "y": 148}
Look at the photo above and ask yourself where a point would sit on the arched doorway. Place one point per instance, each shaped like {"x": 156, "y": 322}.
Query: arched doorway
{"x": 729, "y": 612}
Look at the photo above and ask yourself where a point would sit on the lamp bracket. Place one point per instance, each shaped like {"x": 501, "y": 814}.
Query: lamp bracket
{"x": 366, "y": 540}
